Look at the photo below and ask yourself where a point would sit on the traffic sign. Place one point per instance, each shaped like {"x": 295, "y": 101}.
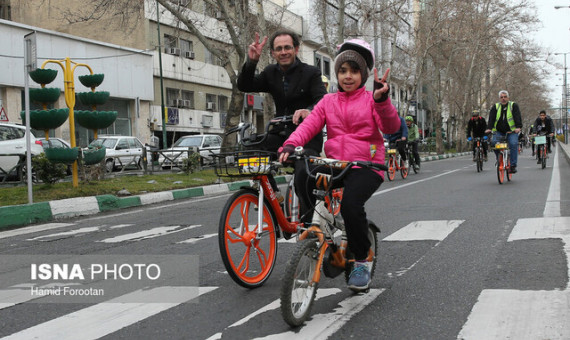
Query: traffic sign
{"x": 3, "y": 115}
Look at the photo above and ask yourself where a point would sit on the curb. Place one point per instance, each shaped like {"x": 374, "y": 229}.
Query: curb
{"x": 21, "y": 215}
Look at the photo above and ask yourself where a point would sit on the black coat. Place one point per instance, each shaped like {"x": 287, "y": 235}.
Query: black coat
{"x": 477, "y": 126}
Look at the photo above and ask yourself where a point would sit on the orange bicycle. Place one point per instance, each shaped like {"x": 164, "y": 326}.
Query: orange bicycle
{"x": 503, "y": 161}
{"x": 395, "y": 163}
{"x": 323, "y": 245}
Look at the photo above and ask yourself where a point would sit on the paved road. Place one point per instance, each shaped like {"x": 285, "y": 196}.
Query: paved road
{"x": 461, "y": 257}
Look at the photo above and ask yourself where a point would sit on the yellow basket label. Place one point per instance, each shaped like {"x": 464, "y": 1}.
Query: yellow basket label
{"x": 253, "y": 161}
{"x": 391, "y": 151}
{"x": 501, "y": 145}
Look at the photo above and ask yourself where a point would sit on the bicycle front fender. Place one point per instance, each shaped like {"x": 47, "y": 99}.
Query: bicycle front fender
{"x": 374, "y": 226}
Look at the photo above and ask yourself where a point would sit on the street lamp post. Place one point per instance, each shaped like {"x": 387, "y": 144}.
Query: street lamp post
{"x": 565, "y": 96}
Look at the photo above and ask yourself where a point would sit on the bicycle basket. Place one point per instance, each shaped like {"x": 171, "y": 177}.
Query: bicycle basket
{"x": 540, "y": 140}
{"x": 243, "y": 163}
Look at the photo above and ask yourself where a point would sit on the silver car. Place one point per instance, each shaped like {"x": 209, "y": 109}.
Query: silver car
{"x": 177, "y": 153}
{"x": 13, "y": 147}
{"x": 121, "y": 151}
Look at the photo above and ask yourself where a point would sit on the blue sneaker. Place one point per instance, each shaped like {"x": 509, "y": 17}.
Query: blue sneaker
{"x": 359, "y": 279}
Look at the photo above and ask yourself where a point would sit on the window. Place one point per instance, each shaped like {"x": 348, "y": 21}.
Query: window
{"x": 170, "y": 41}
{"x": 211, "y": 59}
{"x": 324, "y": 64}
{"x": 186, "y": 46}
{"x": 179, "y": 98}
{"x": 211, "y": 100}
{"x": 222, "y": 103}
{"x": 5, "y": 10}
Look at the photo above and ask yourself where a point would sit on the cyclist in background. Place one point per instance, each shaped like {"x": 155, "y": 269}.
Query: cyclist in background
{"x": 544, "y": 124}
{"x": 354, "y": 118}
{"x": 413, "y": 139}
{"x": 476, "y": 127}
{"x": 505, "y": 122}
{"x": 399, "y": 139}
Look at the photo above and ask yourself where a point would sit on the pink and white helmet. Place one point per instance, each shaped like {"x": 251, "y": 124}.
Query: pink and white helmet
{"x": 362, "y": 47}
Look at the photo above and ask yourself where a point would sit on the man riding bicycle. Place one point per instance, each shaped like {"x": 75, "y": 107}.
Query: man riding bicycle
{"x": 544, "y": 125}
{"x": 505, "y": 122}
{"x": 413, "y": 139}
{"x": 477, "y": 126}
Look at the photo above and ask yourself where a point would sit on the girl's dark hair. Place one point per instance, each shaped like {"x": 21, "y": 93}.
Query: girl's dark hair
{"x": 293, "y": 35}
{"x": 353, "y": 65}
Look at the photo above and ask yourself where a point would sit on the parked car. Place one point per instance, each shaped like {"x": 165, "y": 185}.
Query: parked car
{"x": 121, "y": 151}
{"x": 206, "y": 144}
{"x": 54, "y": 142}
{"x": 13, "y": 142}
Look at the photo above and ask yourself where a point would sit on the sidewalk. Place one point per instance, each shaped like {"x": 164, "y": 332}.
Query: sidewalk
{"x": 21, "y": 215}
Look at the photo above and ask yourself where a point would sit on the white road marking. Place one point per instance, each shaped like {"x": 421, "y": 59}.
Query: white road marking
{"x": 321, "y": 293}
{"x": 105, "y": 318}
{"x": 75, "y": 232}
{"x": 552, "y": 206}
{"x": 425, "y": 230}
{"x": 513, "y": 314}
{"x": 146, "y": 234}
{"x": 198, "y": 238}
{"x": 322, "y": 326}
{"x": 33, "y": 229}
{"x": 415, "y": 182}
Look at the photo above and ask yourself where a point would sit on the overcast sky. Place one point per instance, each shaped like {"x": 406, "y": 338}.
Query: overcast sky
{"x": 555, "y": 35}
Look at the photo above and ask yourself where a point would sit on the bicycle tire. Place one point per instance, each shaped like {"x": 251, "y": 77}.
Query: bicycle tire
{"x": 289, "y": 208}
{"x": 373, "y": 237}
{"x": 479, "y": 160}
{"x": 391, "y": 168}
{"x": 500, "y": 168}
{"x": 298, "y": 289}
{"x": 412, "y": 163}
{"x": 248, "y": 260}
{"x": 403, "y": 169}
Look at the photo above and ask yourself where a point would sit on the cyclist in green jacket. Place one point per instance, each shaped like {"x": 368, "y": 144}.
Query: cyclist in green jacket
{"x": 413, "y": 139}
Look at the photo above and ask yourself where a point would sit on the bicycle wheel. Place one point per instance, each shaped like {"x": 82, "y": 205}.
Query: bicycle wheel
{"x": 391, "y": 168}
{"x": 479, "y": 159}
{"x": 403, "y": 169}
{"x": 292, "y": 209}
{"x": 249, "y": 257}
{"x": 500, "y": 168}
{"x": 298, "y": 289}
{"x": 413, "y": 162}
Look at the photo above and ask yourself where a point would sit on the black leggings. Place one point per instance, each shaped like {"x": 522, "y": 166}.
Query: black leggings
{"x": 359, "y": 185}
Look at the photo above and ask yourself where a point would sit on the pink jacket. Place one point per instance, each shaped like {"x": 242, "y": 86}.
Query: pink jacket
{"x": 354, "y": 122}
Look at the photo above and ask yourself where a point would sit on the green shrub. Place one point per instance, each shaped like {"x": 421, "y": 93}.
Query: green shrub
{"x": 46, "y": 170}
{"x": 192, "y": 163}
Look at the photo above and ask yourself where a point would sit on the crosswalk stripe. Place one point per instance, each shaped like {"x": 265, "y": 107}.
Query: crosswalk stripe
{"x": 425, "y": 230}
{"x": 512, "y": 314}
{"x": 33, "y": 229}
{"x": 75, "y": 232}
{"x": 105, "y": 318}
{"x": 146, "y": 234}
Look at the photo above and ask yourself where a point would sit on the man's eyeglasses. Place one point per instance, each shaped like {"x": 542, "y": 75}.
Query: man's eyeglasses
{"x": 286, "y": 48}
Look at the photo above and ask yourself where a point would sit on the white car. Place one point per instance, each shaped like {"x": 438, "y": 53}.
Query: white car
{"x": 13, "y": 143}
{"x": 206, "y": 144}
{"x": 121, "y": 151}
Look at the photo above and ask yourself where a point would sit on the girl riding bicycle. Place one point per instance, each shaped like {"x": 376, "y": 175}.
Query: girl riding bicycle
{"x": 354, "y": 118}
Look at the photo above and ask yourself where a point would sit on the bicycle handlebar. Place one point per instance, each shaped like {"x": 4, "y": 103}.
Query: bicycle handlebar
{"x": 254, "y": 138}
{"x": 344, "y": 166}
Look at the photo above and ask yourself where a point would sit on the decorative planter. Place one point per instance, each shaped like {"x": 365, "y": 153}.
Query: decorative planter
{"x": 91, "y": 80}
{"x": 93, "y": 155}
{"x": 46, "y": 119}
{"x": 43, "y": 76}
{"x": 95, "y": 120}
{"x": 93, "y": 98}
{"x": 62, "y": 155}
{"x": 45, "y": 95}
